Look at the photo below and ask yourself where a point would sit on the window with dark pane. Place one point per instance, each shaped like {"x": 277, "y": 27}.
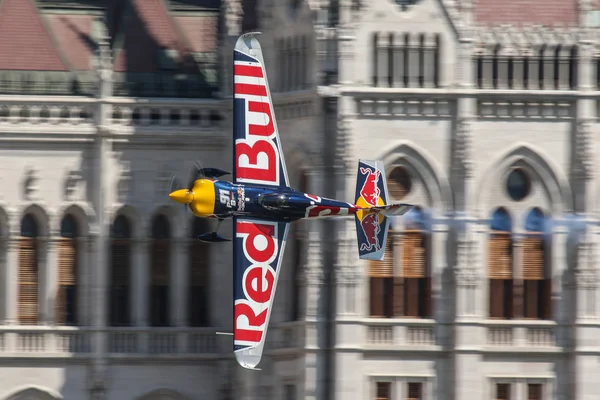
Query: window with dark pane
{"x": 28, "y": 278}
{"x": 401, "y": 286}
{"x": 399, "y": 183}
{"x": 534, "y": 391}
{"x": 160, "y": 258}
{"x": 537, "y": 280}
{"x": 199, "y": 279}
{"x": 518, "y": 184}
{"x": 120, "y": 272}
{"x": 68, "y": 254}
{"x": 502, "y": 391}
{"x": 414, "y": 391}
{"x": 500, "y": 266}
{"x": 383, "y": 391}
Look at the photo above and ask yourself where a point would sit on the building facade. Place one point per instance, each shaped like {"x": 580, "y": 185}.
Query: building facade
{"x": 483, "y": 113}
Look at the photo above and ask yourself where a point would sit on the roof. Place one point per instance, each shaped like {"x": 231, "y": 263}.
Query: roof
{"x": 147, "y": 36}
{"x": 527, "y": 12}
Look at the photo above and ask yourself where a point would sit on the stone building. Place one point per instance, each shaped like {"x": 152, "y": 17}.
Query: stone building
{"x": 483, "y": 112}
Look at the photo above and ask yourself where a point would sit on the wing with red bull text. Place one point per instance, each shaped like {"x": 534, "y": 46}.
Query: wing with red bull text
{"x": 258, "y": 156}
{"x": 258, "y": 249}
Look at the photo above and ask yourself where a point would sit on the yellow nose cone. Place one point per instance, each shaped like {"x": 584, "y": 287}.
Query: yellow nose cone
{"x": 182, "y": 196}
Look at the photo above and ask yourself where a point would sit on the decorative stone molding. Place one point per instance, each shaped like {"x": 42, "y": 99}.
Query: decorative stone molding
{"x": 466, "y": 271}
{"x": 524, "y": 39}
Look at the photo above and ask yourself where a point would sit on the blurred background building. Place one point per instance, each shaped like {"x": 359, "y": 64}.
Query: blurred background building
{"x": 483, "y": 112}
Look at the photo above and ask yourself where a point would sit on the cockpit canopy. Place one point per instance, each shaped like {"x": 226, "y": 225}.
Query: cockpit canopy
{"x": 274, "y": 201}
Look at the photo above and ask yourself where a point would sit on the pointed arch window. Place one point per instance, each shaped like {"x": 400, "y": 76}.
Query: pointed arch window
{"x": 537, "y": 280}
{"x": 199, "y": 276}
{"x": 68, "y": 253}
{"x": 28, "y": 305}
{"x": 120, "y": 272}
{"x": 400, "y": 285}
{"x": 500, "y": 266}
{"x": 160, "y": 260}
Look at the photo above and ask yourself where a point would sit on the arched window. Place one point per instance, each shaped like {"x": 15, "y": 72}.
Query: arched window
{"x": 28, "y": 272}
{"x": 120, "y": 273}
{"x": 537, "y": 281}
{"x": 401, "y": 283}
{"x": 66, "y": 296}
{"x": 160, "y": 260}
{"x": 500, "y": 264}
{"x": 199, "y": 278}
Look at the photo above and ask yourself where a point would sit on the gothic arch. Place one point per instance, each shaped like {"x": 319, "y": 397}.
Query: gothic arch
{"x": 550, "y": 176}
{"x": 177, "y": 229}
{"x": 163, "y": 394}
{"x": 132, "y": 215}
{"x": 81, "y": 215}
{"x": 431, "y": 173}
{"x": 33, "y": 393}
{"x": 40, "y": 215}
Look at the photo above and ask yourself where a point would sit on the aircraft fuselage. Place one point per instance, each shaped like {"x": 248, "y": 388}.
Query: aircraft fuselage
{"x": 223, "y": 199}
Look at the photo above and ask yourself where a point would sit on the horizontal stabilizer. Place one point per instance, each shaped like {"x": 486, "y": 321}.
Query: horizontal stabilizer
{"x": 390, "y": 209}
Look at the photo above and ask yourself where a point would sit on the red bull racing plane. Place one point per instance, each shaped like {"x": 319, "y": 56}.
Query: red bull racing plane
{"x": 262, "y": 203}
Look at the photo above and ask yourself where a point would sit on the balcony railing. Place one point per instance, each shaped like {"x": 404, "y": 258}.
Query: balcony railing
{"x": 70, "y": 342}
{"x": 514, "y": 334}
{"x": 401, "y": 333}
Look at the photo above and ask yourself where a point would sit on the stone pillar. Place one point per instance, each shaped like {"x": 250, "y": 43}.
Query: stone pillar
{"x": 11, "y": 283}
{"x": 98, "y": 286}
{"x": 51, "y": 279}
{"x": 139, "y": 287}
{"x": 179, "y": 276}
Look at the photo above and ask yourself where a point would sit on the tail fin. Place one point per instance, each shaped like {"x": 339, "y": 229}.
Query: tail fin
{"x": 372, "y": 222}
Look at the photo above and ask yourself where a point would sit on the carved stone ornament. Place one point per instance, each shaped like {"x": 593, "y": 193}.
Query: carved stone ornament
{"x": 73, "y": 181}
{"x": 30, "y": 183}
{"x": 523, "y": 38}
{"x": 463, "y": 147}
{"x": 124, "y": 184}
{"x": 584, "y": 149}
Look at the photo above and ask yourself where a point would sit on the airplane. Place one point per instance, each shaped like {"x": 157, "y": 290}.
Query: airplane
{"x": 262, "y": 204}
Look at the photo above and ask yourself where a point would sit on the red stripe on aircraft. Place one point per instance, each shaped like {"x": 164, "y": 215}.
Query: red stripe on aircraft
{"x": 251, "y": 90}
{"x": 248, "y": 70}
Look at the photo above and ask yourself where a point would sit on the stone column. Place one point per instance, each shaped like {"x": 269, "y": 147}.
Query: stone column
{"x": 49, "y": 281}
{"x": 11, "y": 286}
{"x": 179, "y": 276}
{"x": 139, "y": 284}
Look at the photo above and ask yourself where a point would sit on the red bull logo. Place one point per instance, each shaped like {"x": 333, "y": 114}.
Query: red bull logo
{"x": 370, "y": 191}
{"x": 371, "y": 228}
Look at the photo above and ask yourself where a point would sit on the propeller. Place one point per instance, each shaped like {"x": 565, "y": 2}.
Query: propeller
{"x": 195, "y": 173}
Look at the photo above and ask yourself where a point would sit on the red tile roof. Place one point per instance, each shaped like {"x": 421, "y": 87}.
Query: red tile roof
{"x": 200, "y": 31}
{"x": 526, "y": 12}
{"x": 25, "y": 43}
{"x": 73, "y": 32}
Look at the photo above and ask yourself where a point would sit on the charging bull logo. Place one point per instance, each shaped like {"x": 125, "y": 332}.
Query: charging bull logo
{"x": 370, "y": 191}
{"x": 371, "y": 228}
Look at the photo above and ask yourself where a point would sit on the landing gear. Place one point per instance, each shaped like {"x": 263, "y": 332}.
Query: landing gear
{"x": 213, "y": 237}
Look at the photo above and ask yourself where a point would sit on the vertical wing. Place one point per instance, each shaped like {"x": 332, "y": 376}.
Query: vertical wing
{"x": 258, "y": 157}
{"x": 257, "y": 253}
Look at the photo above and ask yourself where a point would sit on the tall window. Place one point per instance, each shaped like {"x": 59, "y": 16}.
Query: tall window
{"x": 299, "y": 239}
{"x": 500, "y": 264}
{"x": 383, "y": 391}
{"x": 537, "y": 280}
{"x": 160, "y": 260}
{"x": 28, "y": 272}
{"x": 199, "y": 279}
{"x": 406, "y": 59}
{"x": 120, "y": 273}
{"x": 400, "y": 285}
{"x": 66, "y": 297}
